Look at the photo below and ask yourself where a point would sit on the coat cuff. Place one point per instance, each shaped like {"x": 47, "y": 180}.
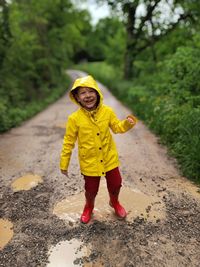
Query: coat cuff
{"x": 133, "y": 118}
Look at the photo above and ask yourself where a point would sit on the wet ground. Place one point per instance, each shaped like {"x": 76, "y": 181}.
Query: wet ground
{"x": 40, "y": 208}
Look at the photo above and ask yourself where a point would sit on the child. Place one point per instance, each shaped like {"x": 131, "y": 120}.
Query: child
{"x": 98, "y": 156}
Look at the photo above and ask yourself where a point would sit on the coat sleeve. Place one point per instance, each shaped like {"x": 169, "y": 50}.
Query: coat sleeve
{"x": 119, "y": 126}
{"x": 68, "y": 143}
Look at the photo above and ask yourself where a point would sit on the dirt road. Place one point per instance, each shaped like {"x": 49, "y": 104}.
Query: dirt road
{"x": 40, "y": 208}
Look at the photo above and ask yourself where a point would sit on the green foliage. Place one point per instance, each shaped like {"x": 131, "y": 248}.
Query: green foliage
{"x": 115, "y": 43}
{"x": 38, "y": 42}
{"x": 11, "y": 116}
{"x": 187, "y": 145}
{"x": 169, "y": 106}
{"x": 107, "y": 41}
{"x": 101, "y": 71}
{"x": 184, "y": 68}
{"x": 40, "y": 39}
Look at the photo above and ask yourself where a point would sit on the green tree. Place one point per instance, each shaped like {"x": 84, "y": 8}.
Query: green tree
{"x": 146, "y": 24}
{"x": 38, "y": 42}
{"x": 114, "y": 40}
{"x": 106, "y": 41}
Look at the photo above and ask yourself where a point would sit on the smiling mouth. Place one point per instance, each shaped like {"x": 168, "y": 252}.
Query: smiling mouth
{"x": 89, "y": 101}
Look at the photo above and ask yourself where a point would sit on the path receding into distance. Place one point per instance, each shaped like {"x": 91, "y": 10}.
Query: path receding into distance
{"x": 41, "y": 207}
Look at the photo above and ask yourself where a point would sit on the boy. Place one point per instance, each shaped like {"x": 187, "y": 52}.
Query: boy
{"x": 97, "y": 152}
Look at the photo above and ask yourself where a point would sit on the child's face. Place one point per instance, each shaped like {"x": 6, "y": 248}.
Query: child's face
{"x": 87, "y": 97}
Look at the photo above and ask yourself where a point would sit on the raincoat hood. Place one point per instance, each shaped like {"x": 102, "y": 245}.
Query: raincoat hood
{"x": 87, "y": 81}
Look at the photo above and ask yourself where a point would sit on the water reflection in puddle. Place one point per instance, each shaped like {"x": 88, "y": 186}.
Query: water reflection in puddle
{"x": 6, "y": 232}
{"x": 70, "y": 253}
{"x": 67, "y": 254}
{"x": 26, "y": 182}
{"x": 135, "y": 202}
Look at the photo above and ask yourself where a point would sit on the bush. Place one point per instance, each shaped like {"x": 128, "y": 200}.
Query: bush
{"x": 11, "y": 116}
{"x": 168, "y": 101}
{"x": 187, "y": 146}
{"x": 184, "y": 68}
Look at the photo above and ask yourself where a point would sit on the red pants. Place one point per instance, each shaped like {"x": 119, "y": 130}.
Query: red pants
{"x": 113, "y": 179}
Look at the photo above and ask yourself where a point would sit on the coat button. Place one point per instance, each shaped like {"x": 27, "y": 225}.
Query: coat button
{"x": 101, "y": 160}
{"x": 99, "y": 148}
{"x": 97, "y": 133}
{"x": 103, "y": 172}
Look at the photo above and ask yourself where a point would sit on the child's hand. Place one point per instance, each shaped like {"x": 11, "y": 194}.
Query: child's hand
{"x": 64, "y": 172}
{"x": 131, "y": 119}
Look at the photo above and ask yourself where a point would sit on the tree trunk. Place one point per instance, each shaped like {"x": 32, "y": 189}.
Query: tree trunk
{"x": 128, "y": 64}
{"x": 130, "y": 10}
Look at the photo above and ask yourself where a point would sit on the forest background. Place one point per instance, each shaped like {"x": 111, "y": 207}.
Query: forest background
{"x": 147, "y": 52}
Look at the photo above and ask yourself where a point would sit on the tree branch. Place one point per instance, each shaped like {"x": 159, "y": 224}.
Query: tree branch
{"x": 157, "y": 38}
{"x": 150, "y": 9}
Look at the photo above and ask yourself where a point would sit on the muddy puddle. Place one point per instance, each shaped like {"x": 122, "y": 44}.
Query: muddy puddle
{"x": 6, "y": 232}
{"x": 66, "y": 254}
{"x": 26, "y": 182}
{"x": 135, "y": 202}
{"x": 70, "y": 253}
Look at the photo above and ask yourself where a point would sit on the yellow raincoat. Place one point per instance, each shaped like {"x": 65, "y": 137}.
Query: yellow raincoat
{"x": 96, "y": 148}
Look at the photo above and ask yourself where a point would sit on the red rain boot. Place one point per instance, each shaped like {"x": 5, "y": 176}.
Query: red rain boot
{"x": 87, "y": 211}
{"x": 114, "y": 203}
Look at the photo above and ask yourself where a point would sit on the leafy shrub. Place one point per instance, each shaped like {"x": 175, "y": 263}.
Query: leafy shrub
{"x": 11, "y": 116}
{"x": 187, "y": 145}
{"x": 184, "y": 70}
{"x": 168, "y": 101}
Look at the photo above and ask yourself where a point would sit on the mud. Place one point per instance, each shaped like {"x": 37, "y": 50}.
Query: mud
{"x": 136, "y": 203}
{"x": 163, "y": 224}
{"x": 65, "y": 253}
{"x": 26, "y": 182}
{"x": 6, "y": 230}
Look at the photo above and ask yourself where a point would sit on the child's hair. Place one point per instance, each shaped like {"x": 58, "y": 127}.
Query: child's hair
{"x": 75, "y": 91}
